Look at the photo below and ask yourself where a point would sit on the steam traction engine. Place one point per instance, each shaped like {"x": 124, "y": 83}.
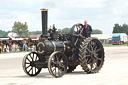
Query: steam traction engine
{"x": 63, "y": 53}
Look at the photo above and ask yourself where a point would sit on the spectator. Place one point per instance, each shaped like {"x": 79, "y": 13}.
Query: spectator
{"x": 7, "y": 48}
{"x": 0, "y": 49}
{"x": 17, "y": 47}
{"x": 13, "y": 47}
{"x": 25, "y": 47}
{"x": 10, "y": 47}
{"x": 4, "y": 48}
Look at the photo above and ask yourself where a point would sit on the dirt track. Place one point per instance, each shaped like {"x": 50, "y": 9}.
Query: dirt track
{"x": 114, "y": 71}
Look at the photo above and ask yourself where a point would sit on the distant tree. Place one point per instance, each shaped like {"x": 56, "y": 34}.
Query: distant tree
{"x": 125, "y": 28}
{"x": 117, "y": 28}
{"x": 35, "y": 32}
{"x": 96, "y": 31}
{"x": 64, "y": 30}
{"x": 120, "y": 29}
{"x": 21, "y": 29}
{"x": 3, "y": 33}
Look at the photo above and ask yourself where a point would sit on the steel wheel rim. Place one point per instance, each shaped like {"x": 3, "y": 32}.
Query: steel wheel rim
{"x": 57, "y": 64}
{"x": 94, "y": 55}
{"x": 28, "y": 64}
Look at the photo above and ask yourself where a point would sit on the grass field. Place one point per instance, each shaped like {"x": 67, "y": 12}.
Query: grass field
{"x": 110, "y": 45}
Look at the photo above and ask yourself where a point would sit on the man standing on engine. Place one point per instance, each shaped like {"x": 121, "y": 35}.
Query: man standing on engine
{"x": 88, "y": 28}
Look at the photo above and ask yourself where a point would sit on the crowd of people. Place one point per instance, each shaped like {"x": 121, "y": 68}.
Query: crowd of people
{"x": 14, "y": 47}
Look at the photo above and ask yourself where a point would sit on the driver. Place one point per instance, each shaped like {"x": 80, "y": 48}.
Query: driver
{"x": 84, "y": 31}
{"x": 88, "y": 28}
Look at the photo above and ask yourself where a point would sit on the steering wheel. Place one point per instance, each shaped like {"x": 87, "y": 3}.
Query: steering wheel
{"x": 76, "y": 34}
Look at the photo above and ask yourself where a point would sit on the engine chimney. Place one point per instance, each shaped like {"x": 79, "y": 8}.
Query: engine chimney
{"x": 44, "y": 21}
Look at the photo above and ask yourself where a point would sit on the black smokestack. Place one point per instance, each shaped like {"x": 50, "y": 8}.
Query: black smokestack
{"x": 44, "y": 21}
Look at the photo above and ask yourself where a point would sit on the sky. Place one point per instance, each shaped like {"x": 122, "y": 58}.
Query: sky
{"x": 100, "y": 14}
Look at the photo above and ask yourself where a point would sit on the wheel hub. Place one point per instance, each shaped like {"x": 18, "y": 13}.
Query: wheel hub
{"x": 32, "y": 64}
{"x": 93, "y": 55}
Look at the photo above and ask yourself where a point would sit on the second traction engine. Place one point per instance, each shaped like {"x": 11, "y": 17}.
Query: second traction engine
{"x": 62, "y": 53}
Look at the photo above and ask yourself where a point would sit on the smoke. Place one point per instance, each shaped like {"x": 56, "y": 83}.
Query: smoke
{"x": 52, "y": 3}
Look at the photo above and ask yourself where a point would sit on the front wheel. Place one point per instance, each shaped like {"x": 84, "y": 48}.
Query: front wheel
{"x": 28, "y": 64}
{"x": 57, "y": 64}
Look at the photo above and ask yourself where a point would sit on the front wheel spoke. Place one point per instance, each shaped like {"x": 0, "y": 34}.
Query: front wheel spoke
{"x": 54, "y": 70}
{"x": 58, "y": 72}
{"x": 30, "y": 69}
{"x": 62, "y": 66}
{"x": 61, "y": 59}
{"x": 53, "y": 62}
{"x": 94, "y": 65}
{"x": 57, "y": 58}
{"x": 31, "y": 57}
{"x": 36, "y": 58}
{"x": 35, "y": 69}
{"x": 28, "y": 59}
{"x": 28, "y": 66}
{"x": 27, "y": 63}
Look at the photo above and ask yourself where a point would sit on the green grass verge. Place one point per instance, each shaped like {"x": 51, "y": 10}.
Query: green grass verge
{"x": 110, "y": 45}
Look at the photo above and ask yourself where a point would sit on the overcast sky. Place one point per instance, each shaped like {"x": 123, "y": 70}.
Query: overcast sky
{"x": 101, "y": 14}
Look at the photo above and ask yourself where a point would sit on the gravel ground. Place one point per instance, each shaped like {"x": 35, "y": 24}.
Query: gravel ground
{"x": 114, "y": 71}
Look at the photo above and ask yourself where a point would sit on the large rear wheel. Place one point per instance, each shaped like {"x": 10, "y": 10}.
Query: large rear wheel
{"x": 91, "y": 55}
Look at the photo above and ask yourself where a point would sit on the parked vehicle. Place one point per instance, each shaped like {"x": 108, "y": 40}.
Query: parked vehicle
{"x": 119, "y": 38}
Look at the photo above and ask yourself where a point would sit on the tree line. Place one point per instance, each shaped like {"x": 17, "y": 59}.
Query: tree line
{"x": 22, "y": 30}
{"x": 3, "y": 33}
{"x": 120, "y": 28}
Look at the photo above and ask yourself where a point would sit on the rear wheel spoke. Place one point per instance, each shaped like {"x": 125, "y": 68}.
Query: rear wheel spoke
{"x": 88, "y": 50}
{"x": 98, "y": 58}
{"x": 88, "y": 55}
{"x": 98, "y": 50}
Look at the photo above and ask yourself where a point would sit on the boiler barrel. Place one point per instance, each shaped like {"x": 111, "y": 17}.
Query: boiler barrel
{"x": 48, "y": 47}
